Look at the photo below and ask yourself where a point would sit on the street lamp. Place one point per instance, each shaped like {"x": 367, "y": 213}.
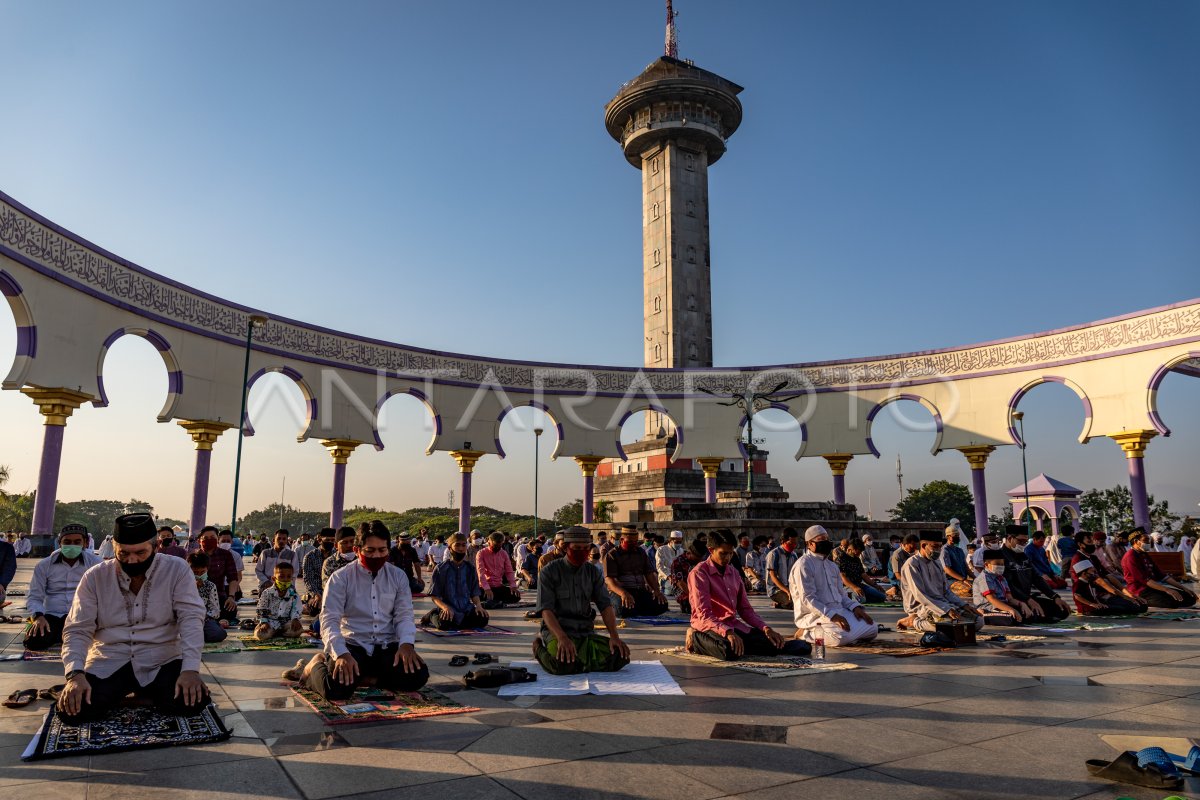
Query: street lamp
{"x": 255, "y": 321}
{"x": 1019, "y": 416}
{"x": 537, "y": 437}
{"x": 751, "y": 403}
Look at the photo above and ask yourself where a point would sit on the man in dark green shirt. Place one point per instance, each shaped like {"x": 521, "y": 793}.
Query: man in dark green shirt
{"x": 567, "y": 588}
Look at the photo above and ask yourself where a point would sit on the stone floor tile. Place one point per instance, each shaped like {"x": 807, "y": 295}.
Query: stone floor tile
{"x": 854, "y": 784}
{"x": 332, "y": 773}
{"x": 258, "y": 778}
{"x": 992, "y": 778}
{"x": 534, "y": 745}
{"x": 479, "y": 787}
{"x": 744, "y": 766}
{"x": 862, "y": 742}
{"x": 627, "y": 776}
{"x": 439, "y": 734}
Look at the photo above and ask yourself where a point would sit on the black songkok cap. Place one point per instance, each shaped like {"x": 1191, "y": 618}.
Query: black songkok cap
{"x": 134, "y": 528}
{"x": 74, "y": 528}
{"x": 1015, "y": 530}
{"x": 932, "y": 536}
{"x": 993, "y": 555}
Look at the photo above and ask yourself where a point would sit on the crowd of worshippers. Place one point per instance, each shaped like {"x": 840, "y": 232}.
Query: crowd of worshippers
{"x": 136, "y": 621}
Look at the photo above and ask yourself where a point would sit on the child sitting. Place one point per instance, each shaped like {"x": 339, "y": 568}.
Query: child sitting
{"x": 279, "y": 607}
{"x": 214, "y": 626}
{"x": 991, "y": 593}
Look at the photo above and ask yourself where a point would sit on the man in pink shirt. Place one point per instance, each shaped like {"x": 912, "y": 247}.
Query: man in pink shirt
{"x": 724, "y": 625}
{"x": 496, "y": 576}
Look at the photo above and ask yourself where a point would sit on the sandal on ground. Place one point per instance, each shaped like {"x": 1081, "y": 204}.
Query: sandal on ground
{"x": 1143, "y": 768}
{"x": 295, "y": 673}
{"x": 483, "y": 658}
{"x": 1190, "y": 762}
{"x": 21, "y": 698}
{"x": 52, "y": 693}
{"x": 247, "y": 625}
{"x": 458, "y": 661}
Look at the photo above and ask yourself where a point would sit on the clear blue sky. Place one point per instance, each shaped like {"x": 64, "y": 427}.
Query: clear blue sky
{"x": 907, "y": 176}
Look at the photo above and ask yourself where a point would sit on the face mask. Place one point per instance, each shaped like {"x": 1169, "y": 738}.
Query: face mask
{"x": 823, "y": 548}
{"x": 348, "y": 556}
{"x": 208, "y": 545}
{"x": 626, "y": 544}
{"x": 790, "y": 546}
{"x": 935, "y": 554}
{"x": 576, "y": 559}
{"x": 995, "y": 569}
{"x": 373, "y": 563}
{"x": 202, "y": 577}
{"x": 1089, "y": 548}
{"x": 226, "y": 545}
{"x": 283, "y": 586}
{"x": 457, "y": 556}
{"x": 134, "y": 570}
{"x": 1016, "y": 548}
{"x": 165, "y": 542}
{"x": 327, "y": 547}
{"x": 71, "y": 551}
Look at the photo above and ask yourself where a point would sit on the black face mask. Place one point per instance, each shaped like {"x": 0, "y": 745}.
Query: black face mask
{"x": 327, "y": 547}
{"x": 823, "y": 548}
{"x": 138, "y": 569}
{"x": 1089, "y": 548}
{"x": 457, "y": 556}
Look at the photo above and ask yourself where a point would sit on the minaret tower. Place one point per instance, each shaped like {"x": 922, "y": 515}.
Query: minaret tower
{"x": 672, "y": 122}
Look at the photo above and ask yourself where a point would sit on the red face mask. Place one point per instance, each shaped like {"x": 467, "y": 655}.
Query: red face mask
{"x": 789, "y": 545}
{"x": 576, "y": 559}
{"x": 373, "y": 563}
{"x": 208, "y": 545}
{"x": 627, "y": 544}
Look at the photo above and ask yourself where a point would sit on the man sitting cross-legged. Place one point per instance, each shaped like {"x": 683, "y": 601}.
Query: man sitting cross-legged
{"x": 455, "y": 592}
{"x": 1027, "y": 585}
{"x": 632, "y": 579}
{"x": 136, "y": 625}
{"x": 497, "y": 579}
{"x": 279, "y": 606}
{"x": 724, "y": 625}
{"x": 821, "y": 607}
{"x": 567, "y": 588}
{"x": 1095, "y": 596}
{"x": 52, "y": 587}
{"x": 367, "y": 625}
{"x": 992, "y": 595}
{"x": 928, "y": 599}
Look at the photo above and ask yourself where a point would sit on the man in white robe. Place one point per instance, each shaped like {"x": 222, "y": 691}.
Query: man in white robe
{"x": 822, "y": 608}
{"x": 927, "y": 595}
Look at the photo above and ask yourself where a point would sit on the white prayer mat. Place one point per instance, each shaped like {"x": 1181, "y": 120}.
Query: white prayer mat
{"x": 771, "y": 666}
{"x": 639, "y": 677}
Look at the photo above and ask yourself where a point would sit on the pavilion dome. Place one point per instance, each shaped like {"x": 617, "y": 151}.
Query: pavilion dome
{"x": 1043, "y": 484}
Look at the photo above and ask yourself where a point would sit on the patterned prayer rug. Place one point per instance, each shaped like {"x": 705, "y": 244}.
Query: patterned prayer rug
{"x": 227, "y": 646}
{"x": 656, "y": 621}
{"x": 377, "y": 705}
{"x": 1064, "y": 627}
{"x": 1174, "y": 616}
{"x": 888, "y": 647}
{"x": 33, "y": 655}
{"x": 248, "y": 642}
{"x": 490, "y": 630}
{"x": 125, "y": 728}
{"x": 771, "y": 666}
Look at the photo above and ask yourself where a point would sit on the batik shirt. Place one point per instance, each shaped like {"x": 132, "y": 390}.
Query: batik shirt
{"x": 851, "y": 566}
{"x": 333, "y": 564}
{"x": 278, "y": 607}
{"x": 312, "y": 571}
{"x": 208, "y": 595}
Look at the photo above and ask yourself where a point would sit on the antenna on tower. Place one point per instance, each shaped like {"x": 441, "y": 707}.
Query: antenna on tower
{"x": 899, "y": 477}
{"x": 672, "y": 45}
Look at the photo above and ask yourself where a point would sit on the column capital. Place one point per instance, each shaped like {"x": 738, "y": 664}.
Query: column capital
{"x": 588, "y": 464}
{"x": 977, "y": 455}
{"x": 466, "y": 459}
{"x": 711, "y": 465}
{"x": 340, "y": 449}
{"x": 1133, "y": 442}
{"x": 56, "y": 404}
{"x": 838, "y": 462}
{"x": 203, "y": 432}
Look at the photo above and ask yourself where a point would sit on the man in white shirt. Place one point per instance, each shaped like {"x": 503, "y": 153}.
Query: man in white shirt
{"x": 821, "y": 606}
{"x": 437, "y": 551}
{"x": 664, "y": 557}
{"x": 53, "y": 585}
{"x": 368, "y": 627}
{"x": 136, "y": 625}
{"x": 268, "y": 558}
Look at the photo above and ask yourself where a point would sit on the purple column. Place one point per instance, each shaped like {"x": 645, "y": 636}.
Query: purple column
{"x": 464, "y": 511}
{"x": 1137, "y": 486}
{"x": 47, "y": 488}
{"x": 339, "y": 493}
{"x": 710, "y": 488}
{"x": 200, "y": 491}
{"x": 589, "y": 494}
{"x": 839, "y": 489}
{"x": 979, "y": 490}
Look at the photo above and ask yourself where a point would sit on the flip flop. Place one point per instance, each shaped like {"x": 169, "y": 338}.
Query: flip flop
{"x": 1138, "y": 770}
{"x": 52, "y": 693}
{"x": 1190, "y": 762}
{"x": 21, "y": 698}
{"x": 483, "y": 658}
{"x": 458, "y": 661}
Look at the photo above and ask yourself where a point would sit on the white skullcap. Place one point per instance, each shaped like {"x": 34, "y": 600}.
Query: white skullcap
{"x": 676, "y": 534}
{"x": 813, "y": 532}
{"x": 1080, "y": 566}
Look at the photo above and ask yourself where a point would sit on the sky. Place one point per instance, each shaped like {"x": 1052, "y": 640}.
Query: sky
{"x": 906, "y": 176}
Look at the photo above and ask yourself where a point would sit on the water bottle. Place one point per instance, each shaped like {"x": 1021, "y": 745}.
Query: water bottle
{"x": 819, "y": 649}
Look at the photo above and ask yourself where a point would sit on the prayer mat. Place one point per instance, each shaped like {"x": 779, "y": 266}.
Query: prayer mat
{"x": 1174, "y": 616}
{"x": 1058, "y": 627}
{"x": 771, "y": 666}
{"x": 248, "y": 642}
{"x": 636, "y": 678}
{"x": 227, "y": 646}
{"x": 125, "y": 728}
{"x": 522, "y": 604}
{"x": 33, "y": 655}
{"x": 660, "y": 620}
{"x": 490, "y": 630}
{"x": 888, "y": 647}
{"x": 882, "y": 605}
{"x": 377, "y": 705}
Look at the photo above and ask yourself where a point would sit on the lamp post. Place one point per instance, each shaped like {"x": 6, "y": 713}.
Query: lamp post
{"x": 751, "y": 403}
{"x": 1019, "y": 416}
{"x": 255, "y": 321}
{"x": 537, "y": 438}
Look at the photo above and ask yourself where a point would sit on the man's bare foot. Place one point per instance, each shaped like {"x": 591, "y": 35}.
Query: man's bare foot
{"x": 295, "y": 673}
{"x": 687, "y": 640}
{"x": 537, "y": 642}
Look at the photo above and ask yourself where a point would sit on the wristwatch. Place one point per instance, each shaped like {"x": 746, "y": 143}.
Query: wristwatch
{"x": 73, "y": 673}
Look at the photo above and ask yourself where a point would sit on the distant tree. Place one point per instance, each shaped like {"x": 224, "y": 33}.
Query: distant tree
{"x": 938, "y": 502}
{"x": 570, "y": 514}
{"x": 996, "y": 524}
{"x": 604, "y": 511}
{"x": 97, "y": 515}
{"x": 266, "y": 521}
{"x": 1114, "y": 507}
{"x": 16, "y": 512}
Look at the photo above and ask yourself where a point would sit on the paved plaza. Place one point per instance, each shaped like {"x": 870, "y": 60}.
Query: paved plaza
{"x": 995, "y": 721}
